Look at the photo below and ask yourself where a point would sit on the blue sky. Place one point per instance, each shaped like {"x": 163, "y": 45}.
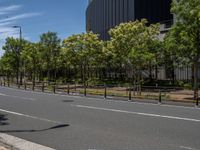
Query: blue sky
{"x": 66, "y": 17}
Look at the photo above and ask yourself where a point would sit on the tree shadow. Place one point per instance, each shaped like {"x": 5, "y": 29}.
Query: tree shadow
{"x": 40, "y": 130}
{"x": 3, "y": 120}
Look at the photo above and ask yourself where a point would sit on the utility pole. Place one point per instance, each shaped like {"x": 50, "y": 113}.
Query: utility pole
{"x": 19, "y": 73}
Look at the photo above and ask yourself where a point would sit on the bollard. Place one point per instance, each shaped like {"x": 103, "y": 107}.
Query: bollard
{"x": 140, "y": 89}
{"x": 68, "y": 88}
{"x": 75, "y": 87}
{"x": 105, "y": 91}
{"x": 160, "y": 97}
{"x": 54, "y": 88}
{"x": 33, "y": 87}
{"x": 197, "y": 102}
{"x": 197, "y": 99}
{"x": 18, "y": 85}
{"x": 4, "y": 82}
{"x": 42, "y": 86}
{"x": 24, "y": 85}
{"x": 130, "y": 94}
{"x": 85, "y": 90}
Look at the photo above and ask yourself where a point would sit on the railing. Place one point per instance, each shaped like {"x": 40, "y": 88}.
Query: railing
{"x": 153, "y": 94}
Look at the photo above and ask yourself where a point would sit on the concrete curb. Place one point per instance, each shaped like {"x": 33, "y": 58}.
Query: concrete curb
{"x": 16, "y": 143}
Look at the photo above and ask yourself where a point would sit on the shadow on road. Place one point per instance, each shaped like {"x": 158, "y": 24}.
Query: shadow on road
{"x": 3, "y": 120}
{"x": 51, "y": 128}
{"x": 67, "y": 101}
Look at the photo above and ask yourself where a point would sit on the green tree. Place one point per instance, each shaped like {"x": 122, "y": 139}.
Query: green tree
{"x": 50, "y": 50}
{"x": 31, "y": 57}
{"x": 133, "y": 45}
{"x": 82, "y": 50}
{"x": 186, "y": 34}
{"x": 13, "y": 48}
{"x": 5, "y": 66}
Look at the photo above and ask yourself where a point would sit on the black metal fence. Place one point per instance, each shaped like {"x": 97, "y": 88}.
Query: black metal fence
{"x": 154, "y": 94}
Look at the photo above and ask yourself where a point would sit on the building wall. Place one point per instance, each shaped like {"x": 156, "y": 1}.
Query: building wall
{"x": 102, "y": 15}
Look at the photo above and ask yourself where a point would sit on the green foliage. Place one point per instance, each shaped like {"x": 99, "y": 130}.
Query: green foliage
{"x": 135, "y": 44}
{"x": 50, "y": 51}
{"x": 12, "y": 53}
{"x": 184, "y": 38}
{"x": 134, "y": 47}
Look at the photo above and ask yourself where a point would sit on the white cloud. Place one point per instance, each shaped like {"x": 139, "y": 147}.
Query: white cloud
{"x": 3, "y": 13}
{"x": 10, "y": 8}
{"x": 21, "y": 16}
{"x": 5, "y": 24}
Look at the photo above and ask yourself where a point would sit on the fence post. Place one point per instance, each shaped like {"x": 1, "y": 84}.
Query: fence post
{"x": 8, "y": 82}
{"x": 42, "y": 86}
{"x": 4, "y": 82}
{"x": 85, "y": 90}
{"x": 33, "y": 86}
{"x": 54, "y": 88}
{"x": 197, "y": 99}
{"x": 24, "y": 84}
{"x": 160, "y": 97}
{"x": 197, "y": 102}
{"x": 140, "y": 89}
{"x": 75, "y": 87}
{"x": 130, "y": 93}
{"x": 68, "y": 88}
{"x": 105, "y": 91}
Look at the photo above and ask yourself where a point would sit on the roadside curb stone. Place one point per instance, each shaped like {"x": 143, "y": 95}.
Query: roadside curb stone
{"x": 8, "y": 142}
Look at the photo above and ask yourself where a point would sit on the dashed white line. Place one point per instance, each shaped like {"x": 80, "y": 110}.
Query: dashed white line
{"x": 188, "y": 148}
{"x": 29, "y": 116}
{"x": 137, "y": 113}
{"x": 1, "y": 94}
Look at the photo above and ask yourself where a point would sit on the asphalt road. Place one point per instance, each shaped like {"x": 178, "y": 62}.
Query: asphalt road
{"x": 78, "y": 123}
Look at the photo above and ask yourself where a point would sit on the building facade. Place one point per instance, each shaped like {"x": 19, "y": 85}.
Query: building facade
{"x": 102, "y": 15}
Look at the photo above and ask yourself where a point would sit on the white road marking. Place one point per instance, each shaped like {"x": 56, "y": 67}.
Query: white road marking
{"x": 25, "y": 98}
{"x": 1, "y": 94}
{"x": 188, "y": 148}
{"x": 28, "y": 116}
{"x": 137, "y": 113}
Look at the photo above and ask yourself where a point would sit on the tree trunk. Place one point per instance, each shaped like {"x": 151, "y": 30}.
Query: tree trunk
{"x": 34, "y": 74}
{"x": 156, "y": 72}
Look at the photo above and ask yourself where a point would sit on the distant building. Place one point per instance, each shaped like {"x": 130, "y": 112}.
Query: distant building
{"x": 102, "y": 15}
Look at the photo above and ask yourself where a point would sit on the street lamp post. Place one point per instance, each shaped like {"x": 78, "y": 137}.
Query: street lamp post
{"x": 18, "y": 53}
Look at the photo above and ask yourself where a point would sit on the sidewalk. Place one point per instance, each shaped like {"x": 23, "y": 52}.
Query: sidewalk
{"x": 4, "y": 146}
{"x": 9, "y": 142}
